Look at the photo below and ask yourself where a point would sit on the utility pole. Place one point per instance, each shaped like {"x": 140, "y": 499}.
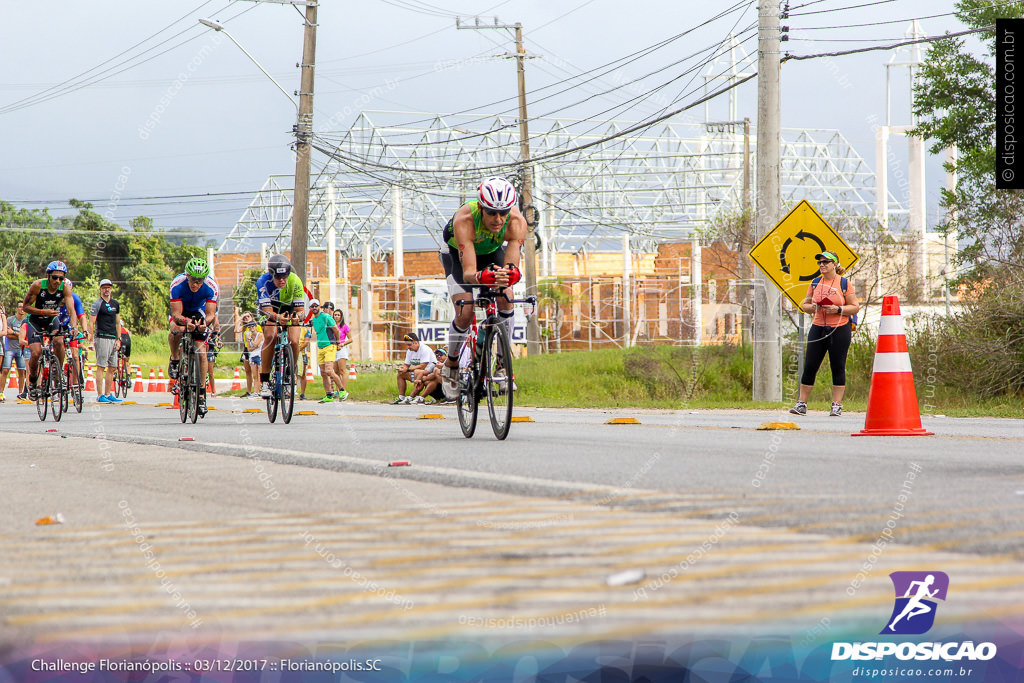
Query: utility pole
{"x": 767, "y": 384}
{"x": 526, "y": 175}
{"x": 303, "y": 138}
{"x": 746, "y": 300}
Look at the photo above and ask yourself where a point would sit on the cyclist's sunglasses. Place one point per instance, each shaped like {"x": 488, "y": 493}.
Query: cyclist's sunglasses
{"x": 196, "y": 280}
{"x": 58, "y": 278}
{"x": 494, "y": 212}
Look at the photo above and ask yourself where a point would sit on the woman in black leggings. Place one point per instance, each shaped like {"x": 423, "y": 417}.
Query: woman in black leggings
{"x": 831, "y": 304}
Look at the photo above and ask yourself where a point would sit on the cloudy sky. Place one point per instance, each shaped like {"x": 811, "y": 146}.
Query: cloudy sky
{"x": 93, "y": 103}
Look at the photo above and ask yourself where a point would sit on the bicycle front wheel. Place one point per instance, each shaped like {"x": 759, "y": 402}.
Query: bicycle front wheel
{"x": 497, "y": 379}
{"x": 57, "y": 398}
{"x": 288, "y": 385}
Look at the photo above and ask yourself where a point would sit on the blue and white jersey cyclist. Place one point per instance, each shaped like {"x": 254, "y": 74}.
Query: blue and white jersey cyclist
{"x": 193, "y": 300}
{"x": 42, "y": 304}
{"x": 281, "y": 298}
{"x": 64, "y": 320}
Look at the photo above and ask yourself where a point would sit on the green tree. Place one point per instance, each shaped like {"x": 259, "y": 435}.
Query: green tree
{"x": 983, "y": 346}
{"x": 955, "y": 100}
{"x": 245, "y": 291}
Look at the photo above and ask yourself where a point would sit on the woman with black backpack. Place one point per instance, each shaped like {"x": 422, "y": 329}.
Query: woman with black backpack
{"x": 830, "y": 297}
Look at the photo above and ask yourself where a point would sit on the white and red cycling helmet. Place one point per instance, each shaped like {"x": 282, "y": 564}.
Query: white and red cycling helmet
{"x": 497, "y": 194}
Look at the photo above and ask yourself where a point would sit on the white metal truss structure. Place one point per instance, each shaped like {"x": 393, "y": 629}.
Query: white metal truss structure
{"x": 592, "y": 185}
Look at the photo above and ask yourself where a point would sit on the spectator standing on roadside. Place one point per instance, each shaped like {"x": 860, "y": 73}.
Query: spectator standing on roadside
{"x": 830, "y": 297}
{"x": 344, "y": 340}
{"x": 252, "y": 343}
{"x": 327, "y": 347}
{"x": 105, "y": 316}
{"x": 304, "y": 352}
{"x": 213, "y": 345}
{"x": 15, "y": 352}
{"x": 418, "y": 357}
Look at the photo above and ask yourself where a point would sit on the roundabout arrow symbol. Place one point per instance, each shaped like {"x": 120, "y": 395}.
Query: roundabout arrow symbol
{"x": 785, "y": 245}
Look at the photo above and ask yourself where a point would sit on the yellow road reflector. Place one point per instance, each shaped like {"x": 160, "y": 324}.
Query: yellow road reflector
{"x": 129, "y": 403}
{"x": 623, "y": 421}
{"x": 523, "y": 418}
{"x": 164, "y": 405}
{"x": 431, "y": 416}
{"x": 779, "y": 425}
{"x": 253, "y": 410}
{"x": 306, "y": 412}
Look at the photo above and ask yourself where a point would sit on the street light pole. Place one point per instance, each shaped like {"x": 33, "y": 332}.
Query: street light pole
{"x": 303, "y": 130}
{"x": 526, "y": 175}
{"x": 303, "y": 139}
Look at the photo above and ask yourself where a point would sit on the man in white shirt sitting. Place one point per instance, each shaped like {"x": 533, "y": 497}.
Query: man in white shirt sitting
{"x": 419, "y": 359}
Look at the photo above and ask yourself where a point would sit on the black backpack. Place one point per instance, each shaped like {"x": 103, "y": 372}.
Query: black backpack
{"x": 843, "y": 282}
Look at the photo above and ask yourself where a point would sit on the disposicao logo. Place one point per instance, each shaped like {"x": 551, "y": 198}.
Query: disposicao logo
{"x": 916, "y": 595}
{"x": 913, "y": 614}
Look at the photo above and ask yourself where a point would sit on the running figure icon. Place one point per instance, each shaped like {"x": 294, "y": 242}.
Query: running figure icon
{"x": 916, "y": 595}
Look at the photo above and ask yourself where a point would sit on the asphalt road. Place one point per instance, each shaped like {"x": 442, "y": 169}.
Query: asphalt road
{"x": 266, "y": 524}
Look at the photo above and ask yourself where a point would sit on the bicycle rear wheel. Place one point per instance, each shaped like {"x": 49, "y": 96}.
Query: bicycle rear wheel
{"x": 498, "y": 380}
{"x": 66, "y": 394}
{"x": 275, "y": 385}
{"x": 118, "y": 381}
{"x": 42, "y": 392}
{"x": 57, "y": 397}
{"x": 183, "y": 383}
{"x": 195, "y": 382}
{"x": 288, "y": 385}
{"x": 75, "y": 386}
{"x": 467, "y": 403}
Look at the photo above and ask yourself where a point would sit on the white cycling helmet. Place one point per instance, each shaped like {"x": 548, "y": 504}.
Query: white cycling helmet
{"x": 497, "y": 194}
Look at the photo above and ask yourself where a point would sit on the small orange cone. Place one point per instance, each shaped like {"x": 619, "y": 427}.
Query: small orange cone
{"x": 177, "y": 403}
{"x": 151, "y": 384}
{"x": 236, "y": 383}
{"x": 13, "y": 383}
{"x": 892, "y": 401}
{"x": 309, "y": 373}
{"x": 352, "y": 373}
{"x": 161, "y": 381}
{"x": 140, "y": 385}
{"x": 90, "y": 381}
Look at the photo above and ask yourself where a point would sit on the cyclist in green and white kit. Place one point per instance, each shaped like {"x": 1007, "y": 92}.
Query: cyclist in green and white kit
{"x": 280, "y": 298}
{"x": 483, "y": 243}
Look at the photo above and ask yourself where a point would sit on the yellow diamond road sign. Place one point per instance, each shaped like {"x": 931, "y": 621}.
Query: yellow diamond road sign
{"x": 786, "y": 254}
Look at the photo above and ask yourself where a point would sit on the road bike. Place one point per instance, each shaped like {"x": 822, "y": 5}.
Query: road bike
{"x": 489, "y": 372}
{"x": 282, "y": 377}
{"x": 50, "y": 391}
{"x": 190, "y": 378}
{"x": 74, "y": 382}
{"x": 123, "y": 377}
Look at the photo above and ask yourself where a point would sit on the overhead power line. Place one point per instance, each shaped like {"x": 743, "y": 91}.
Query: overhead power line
{"x": 891, "y": 46}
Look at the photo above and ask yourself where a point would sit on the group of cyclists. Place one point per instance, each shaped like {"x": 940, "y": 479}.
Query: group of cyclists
{"x": 482, "y": 245}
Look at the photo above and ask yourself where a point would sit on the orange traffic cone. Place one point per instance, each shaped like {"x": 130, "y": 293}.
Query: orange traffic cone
{"x": 13, "y": 383}
{"x": 236, "y": 383}
{"x": 352, "y": 373}
{"x": 90, "y": 381}
{"x": 151, "y": 384}
{"x": 309, "y": 374}
{"x": 892, "y": 401}
{"x": 161, "y": 381}
{"x": 140, "y": 385}
{"x": 177, "y": 403}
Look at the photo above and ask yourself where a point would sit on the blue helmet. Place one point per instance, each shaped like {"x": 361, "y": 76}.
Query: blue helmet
{"x": 58, "y": 266}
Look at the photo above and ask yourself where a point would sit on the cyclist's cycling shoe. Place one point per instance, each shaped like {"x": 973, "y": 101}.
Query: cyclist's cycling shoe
{"x": 33, "y": 393}
{"x": 202, "y": 404}
{"x": 172, "y": 369}
{"x": 450, "y": 381}
{"x": 265, "y": 390}
{"x": 174, "y": 389}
